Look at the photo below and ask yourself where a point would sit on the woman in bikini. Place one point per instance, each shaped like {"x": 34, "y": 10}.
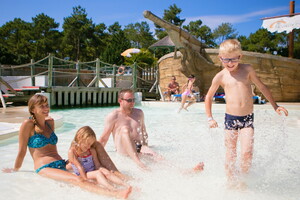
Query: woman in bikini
{"x": 188, "y": 93}
{"x": 37, "y": 133}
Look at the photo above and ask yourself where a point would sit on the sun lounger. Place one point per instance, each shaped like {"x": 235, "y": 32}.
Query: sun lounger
{"x": 175, "y": 97}
{"x": 256, "y": 99}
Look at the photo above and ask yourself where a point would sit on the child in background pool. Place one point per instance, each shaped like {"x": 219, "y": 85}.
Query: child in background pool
{"x": 83, "y": 158}
{"x": 236, "y": 79}
{"x": 188, "y": 93}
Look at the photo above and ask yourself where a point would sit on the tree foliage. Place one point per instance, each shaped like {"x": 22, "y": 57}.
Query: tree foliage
{"x": 81, "y": 39}
{"x": 143, "y": 59}
{"x": 264, "y": 41}
{"x": 201, "y": 32}
{"x": 297, "y": 43}
{"x": 46, "y": 38}
{"x": 170, "y": 15}
{"x": 223, "y": 32}
{"x": 77, "y": 29}
{"x": 16, "y": 39}
{"x": 117, "y": 43}
{"x": 139, "y": 35}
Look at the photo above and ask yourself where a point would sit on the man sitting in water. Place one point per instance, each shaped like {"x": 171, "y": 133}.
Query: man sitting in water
{"x": 128, "y": 128}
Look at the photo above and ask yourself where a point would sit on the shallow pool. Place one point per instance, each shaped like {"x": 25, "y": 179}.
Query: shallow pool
{"x": 184, "y": 140}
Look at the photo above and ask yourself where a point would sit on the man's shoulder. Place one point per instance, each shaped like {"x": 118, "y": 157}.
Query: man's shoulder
{"x": 138, "y": 110}
{"x": 114, "y": 113}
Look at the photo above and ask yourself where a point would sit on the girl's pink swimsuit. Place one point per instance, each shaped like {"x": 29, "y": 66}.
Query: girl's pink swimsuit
{"x": 86, "y": 162}
{"x": 186, "y": 92}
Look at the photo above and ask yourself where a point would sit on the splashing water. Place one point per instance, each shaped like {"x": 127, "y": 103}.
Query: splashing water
{"x": 184, "y": 140}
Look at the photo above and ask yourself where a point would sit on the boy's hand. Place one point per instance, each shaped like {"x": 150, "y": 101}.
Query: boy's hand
{"x": 212, "y": 123}
{"x": 280, "y": 109}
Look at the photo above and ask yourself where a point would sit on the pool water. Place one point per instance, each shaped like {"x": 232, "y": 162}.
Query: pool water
{"x": 183, "y": 140}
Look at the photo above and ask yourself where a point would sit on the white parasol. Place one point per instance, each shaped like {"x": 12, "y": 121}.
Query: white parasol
{"x": 128, "y": 52}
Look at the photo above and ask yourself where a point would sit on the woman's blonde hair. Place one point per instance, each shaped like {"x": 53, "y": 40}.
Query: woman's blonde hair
{"x": 35, "y": 100}
{"x": 230, "y": 46}
{"x": 83, "y": 134}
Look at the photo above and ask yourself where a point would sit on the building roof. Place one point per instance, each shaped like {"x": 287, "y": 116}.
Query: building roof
{"x": 166, "y": 42}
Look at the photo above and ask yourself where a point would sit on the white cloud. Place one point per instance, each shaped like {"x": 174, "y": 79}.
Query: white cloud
{"x": 215, "y": 20}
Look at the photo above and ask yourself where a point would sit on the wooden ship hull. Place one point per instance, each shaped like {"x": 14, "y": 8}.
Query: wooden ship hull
{"x": 280, "y": 74}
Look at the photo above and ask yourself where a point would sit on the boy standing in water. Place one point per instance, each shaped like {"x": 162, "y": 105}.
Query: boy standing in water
{"x": 236, "y": 80}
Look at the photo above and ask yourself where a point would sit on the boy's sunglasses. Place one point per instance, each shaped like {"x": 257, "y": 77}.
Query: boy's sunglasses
{"x": 227, "y": 60}
{"x": 129, "y": 100}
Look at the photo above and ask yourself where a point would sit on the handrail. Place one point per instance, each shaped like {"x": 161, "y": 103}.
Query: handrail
{"x": 72, "y": 72}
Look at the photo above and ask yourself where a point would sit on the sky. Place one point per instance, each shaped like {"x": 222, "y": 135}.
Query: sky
{"x": 244, "y": 15}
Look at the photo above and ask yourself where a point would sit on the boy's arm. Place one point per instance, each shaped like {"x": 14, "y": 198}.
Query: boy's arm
{"x": 210, "y": 94}
{"x": 108, "y": 128}
{"x": 208, "y": 101}
{"x": 266, "y": 92}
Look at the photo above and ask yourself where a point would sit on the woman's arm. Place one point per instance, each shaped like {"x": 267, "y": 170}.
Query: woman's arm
{"x": 104, "y": 158}
{"x": 95, "y": 158}
{"x": 24, "y": 134}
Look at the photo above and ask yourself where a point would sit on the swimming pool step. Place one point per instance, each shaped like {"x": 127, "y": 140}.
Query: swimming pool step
{"x": 82, "y": 96}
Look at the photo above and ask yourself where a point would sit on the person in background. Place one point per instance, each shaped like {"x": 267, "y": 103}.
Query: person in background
{"x": 188, "y": 94}
{"x": 173, "y": 88}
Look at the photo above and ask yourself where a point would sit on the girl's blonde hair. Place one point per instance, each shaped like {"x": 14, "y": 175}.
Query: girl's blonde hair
{"x": 35, "y": 100}
{"x": 83, "y": 134}
{"x": 230, "y": 46}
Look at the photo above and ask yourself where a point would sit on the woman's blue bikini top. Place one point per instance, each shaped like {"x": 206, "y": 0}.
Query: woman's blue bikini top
{"x": 38, "y": 140}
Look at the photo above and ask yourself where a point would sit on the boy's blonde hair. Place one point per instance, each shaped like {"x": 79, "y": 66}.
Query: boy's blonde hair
{"x": 83, "y": 134}
{"x": 230, "y": 46}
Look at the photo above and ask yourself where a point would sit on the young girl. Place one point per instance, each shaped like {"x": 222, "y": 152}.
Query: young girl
{"x": 38, "y": 134}
{"x": 188, "y": 93}
{"x": 83, "y": 158}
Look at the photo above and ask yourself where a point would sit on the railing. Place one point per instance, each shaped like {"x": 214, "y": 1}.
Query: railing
{"x": 64, "y": 73}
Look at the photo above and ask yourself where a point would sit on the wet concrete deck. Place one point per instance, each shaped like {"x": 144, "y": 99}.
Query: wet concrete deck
{"x": 12, "y": 117}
